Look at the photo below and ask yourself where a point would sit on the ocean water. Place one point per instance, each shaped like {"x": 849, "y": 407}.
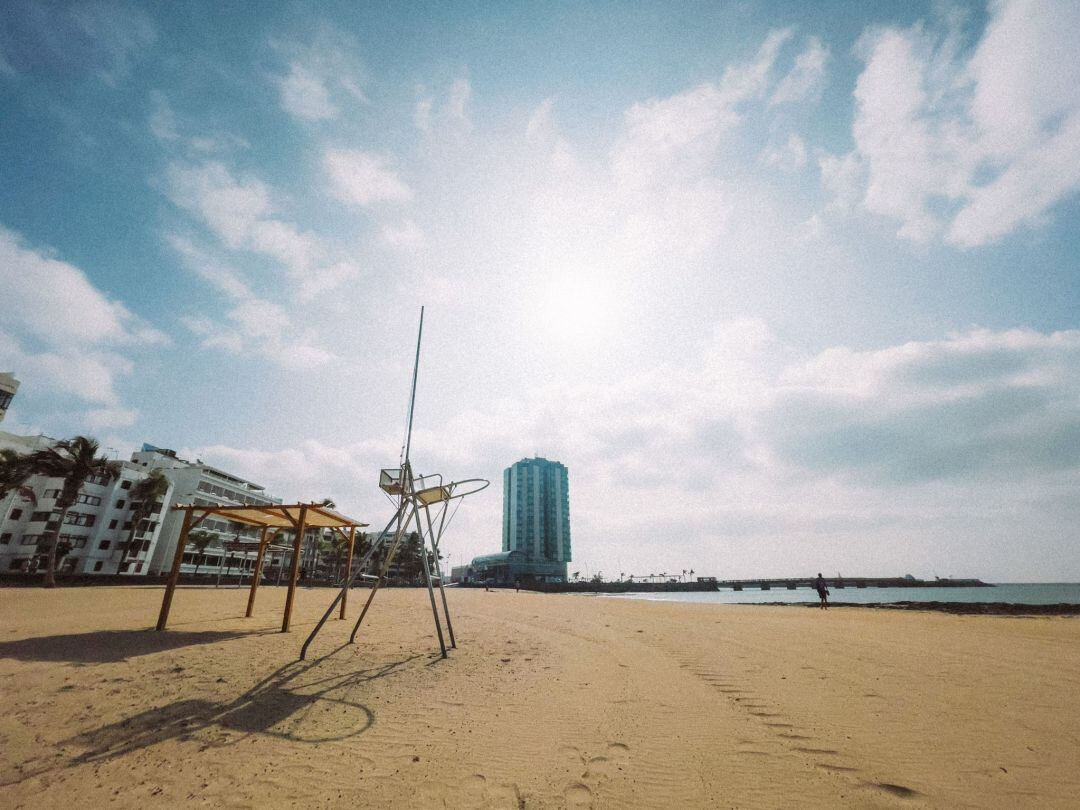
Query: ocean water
{"x": 1040, "y": 593}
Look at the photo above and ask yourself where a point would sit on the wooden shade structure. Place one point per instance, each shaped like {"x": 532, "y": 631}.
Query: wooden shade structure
{"x": 270, "y": 519}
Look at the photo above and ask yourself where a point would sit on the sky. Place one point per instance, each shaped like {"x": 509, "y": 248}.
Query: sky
{"x": 788, "y": 287}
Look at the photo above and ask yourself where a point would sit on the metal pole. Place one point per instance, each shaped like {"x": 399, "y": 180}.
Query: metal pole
{"x": 438, "y": 566}
{"x": 382, "y": 573}
{"x": 427, "y": 579}
{"x": 412, "y": 397}
{"x": 344, "y": 590}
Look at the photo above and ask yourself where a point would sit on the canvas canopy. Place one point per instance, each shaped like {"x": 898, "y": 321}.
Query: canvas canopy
{"x": 272, "y": 519}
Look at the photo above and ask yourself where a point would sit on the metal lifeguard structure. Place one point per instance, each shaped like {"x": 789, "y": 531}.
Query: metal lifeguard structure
{"x": 422, "y": 500}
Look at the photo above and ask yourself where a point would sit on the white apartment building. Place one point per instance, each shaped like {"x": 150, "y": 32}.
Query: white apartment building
{"x": 99, "y": 524}
{"x": 96, "y": 527}
{"x": 202, "y": 485}
{"x": 8, "y": 386}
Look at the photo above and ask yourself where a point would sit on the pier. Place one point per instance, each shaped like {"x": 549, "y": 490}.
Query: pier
{"x": 757, "y": 584}
{"x": 848, "y": 582}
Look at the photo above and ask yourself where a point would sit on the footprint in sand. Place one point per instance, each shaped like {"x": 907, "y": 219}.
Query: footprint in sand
{"x": 578, "y": 795}
{"x": 896, "y": 790}
{"x": 620, "y": 752}
{"x": 838, "y": 768}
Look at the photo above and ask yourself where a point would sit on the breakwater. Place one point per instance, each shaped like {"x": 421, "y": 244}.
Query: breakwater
{"x": 706, "y": 584}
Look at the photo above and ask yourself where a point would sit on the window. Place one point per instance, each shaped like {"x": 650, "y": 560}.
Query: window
{"x": 112, "y": 524}
{"x": 5, "y": 538}
{"x": 29, "y": 539}
{"x": 127, "y": 525}
{"x": 52, "y": 493}
{"x": 97, "y": 565}
{"x": 120, "y": 504}
{"x": 80, "y": 519}
{"x": 125, "y": 485}
{"x": 103, "y": 545}
{"x": 39, "y": 517}
{"x": 15, "y": 514}
{"x": 138, "y": 568}
{"x": 5, "y": 399}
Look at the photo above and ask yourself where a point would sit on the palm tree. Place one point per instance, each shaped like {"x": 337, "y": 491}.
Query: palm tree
{"x": 14, "y": 474}
{"x": 75, "y": 461}
{"x": 144, "y": 495}
{"x": 202, "y": 541}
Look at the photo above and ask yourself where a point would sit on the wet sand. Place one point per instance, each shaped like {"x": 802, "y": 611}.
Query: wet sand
{"x": 549, "y": 701}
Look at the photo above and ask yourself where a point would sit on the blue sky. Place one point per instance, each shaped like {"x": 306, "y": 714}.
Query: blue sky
{"x": 787, "y": 286}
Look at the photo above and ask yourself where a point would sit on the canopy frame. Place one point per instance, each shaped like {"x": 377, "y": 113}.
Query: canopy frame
{"x": 271, "y": 520}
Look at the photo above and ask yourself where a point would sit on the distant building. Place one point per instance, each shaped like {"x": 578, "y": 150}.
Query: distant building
{"x": 98, "y": 526}
{"x": 95, "y": 529}
{"x": 536, "y": 527}
{"x": 199, "y": 484}
{"x": 8, "y": 386}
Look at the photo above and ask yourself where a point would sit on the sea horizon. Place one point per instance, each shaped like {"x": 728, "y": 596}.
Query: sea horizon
{"x": 1020, "y": 593}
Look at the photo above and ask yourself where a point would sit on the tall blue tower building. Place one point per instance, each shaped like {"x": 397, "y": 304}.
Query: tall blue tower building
{"x": 536, "y": 516}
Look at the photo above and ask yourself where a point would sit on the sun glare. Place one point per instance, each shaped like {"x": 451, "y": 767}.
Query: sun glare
{"x": 576, "y": 311}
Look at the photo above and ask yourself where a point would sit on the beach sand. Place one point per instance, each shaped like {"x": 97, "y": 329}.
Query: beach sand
{"x": 549, "y": 701}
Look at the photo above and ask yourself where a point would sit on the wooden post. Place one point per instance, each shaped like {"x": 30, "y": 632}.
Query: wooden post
{"x": 258, "y": 572}
{"x": 348, "y": 571}
{"x": 174, "y": 574}
{"x": 294, "y": 573}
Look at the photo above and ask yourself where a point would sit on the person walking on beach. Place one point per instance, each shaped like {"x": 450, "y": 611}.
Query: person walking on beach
{"x": 822, "y": 591}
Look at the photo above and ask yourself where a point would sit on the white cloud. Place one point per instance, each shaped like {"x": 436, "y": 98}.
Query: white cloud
{"x": 681, "y": 132}
{"x": 406, "y": 234}
{"x": 422, "y": 113}
{"x": 363, "y": 178}
{"x": 240, "y": 212}
{"x": 105, "y": 418}
{"x": 55, "y": 302}
{"x": 321, "y": 75}
{"x": 162, "y": 118}
{"x": 788, "y": 156}
{"x": 451, "y": 116}
{"x": 806, "y": 78}
{"x": 458, "y": 101}
{"x": 228, "y": 206}
{"x": 253, "y": 324}
{"x": 842, "y": 455}
{"x": 303, "y": 95}
{"x": 971, "y": 150}
{"x": 59, "y": 332}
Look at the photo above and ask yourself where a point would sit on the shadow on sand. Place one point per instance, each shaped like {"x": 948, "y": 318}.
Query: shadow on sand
{"x": 286, "y": 705}
{"x": 108, "y": 646}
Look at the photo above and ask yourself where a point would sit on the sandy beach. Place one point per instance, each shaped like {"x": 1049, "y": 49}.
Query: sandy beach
{"x": 549, "y": 701}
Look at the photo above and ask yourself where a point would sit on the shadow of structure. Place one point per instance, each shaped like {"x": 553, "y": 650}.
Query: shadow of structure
{"x": 109, "y": 646}
{"x": 283, "y": 705}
